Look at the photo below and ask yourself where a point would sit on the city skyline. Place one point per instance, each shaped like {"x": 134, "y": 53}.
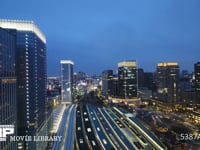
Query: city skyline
{"x": 78, "y": 116}
{"x": 98, "y": 35}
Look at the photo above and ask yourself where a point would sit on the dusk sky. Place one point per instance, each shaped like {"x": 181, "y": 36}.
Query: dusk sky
{"x": 96, "y": 35}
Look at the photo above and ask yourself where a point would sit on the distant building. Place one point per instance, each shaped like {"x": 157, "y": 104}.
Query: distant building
{"x": 149, "y": 81}
{"x": 53, "y": 82}
{"x": 8, "y": 103}
{"x": 79, "y": 83}
{"x": 66, "y": 81}
{"x": 140, "y": 77}
{"x": 144, "y": 93}
{"x": 187, "y": 90}
{"x": 107, "y": 82}
{"x": 115, "y": 89}
{"x": 197, "y": 81}
{"x": 31, "y": 80}
{"x": 81, "y": 76}
{"x": 127, "y": 79}
{"x": 186, "y": 81}
{"x": 167, "y": 81}
{"x": 185, "y": 74}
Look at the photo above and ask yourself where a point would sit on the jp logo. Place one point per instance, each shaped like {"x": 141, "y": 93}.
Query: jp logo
{"x": 6, "y": 130}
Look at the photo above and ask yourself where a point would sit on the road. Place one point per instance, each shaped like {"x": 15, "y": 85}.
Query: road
{"x": 93, "y": 142}
{"x": 80, "y": 138}
{"x": 85, "y": 126}
{"x": 99, "y": 130}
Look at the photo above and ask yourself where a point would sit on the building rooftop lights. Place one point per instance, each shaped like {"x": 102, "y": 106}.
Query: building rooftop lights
{"x": 132, "y": 63}
{"x": 22, "y": 25}
{"x": 67, "y": 62}
{"x": 165, "y": 64}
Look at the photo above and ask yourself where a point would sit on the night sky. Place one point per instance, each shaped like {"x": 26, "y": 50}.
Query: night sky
{"x": 97, "y": 34}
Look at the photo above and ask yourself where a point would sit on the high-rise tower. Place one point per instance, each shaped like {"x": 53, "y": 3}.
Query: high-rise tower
{"x": 107, "y": 82}
{"x": 8, "y": 111}
{"x": 66, "y": 81}
{"x": 167, "y": 81}
{"x": 127, "y": 76}
{"x": 197, "y": 81}
{"x": 31, "y": 78}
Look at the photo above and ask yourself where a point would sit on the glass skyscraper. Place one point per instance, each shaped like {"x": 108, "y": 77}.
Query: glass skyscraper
{"x": 167, "y": 81}
{"x": 8, "y": 112}
{"x": 127, "y": 76}
{"x": 31, "y": 79}
{"x": 66, "y": 81}
{"x": 107, "y": 83}
{"x": 197, "y": 81}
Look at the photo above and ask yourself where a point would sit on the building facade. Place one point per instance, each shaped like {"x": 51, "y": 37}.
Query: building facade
{"x": 31, "y": 79}
{"x": 197, "y": 81}
{"x": 149, "y": 81}
{"x": 115, "y": 89}
{"x": 140, "y": 77}
{"x": 107, "y": 83}
{"x": 8, "y": 105}
{"x": 127, "y": 79}
{"x": 167, "y": 81}
{"x": 66, "y": 81}
{"x": 81, "y": 76}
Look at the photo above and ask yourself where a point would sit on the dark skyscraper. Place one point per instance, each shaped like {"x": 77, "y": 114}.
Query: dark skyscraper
{"x": 127, "y": 76}
{"x": 140, "y": 77}
{"x": 197, "y": 81}
{"x": 31, "y": 78}
{"x": 107, "y": 82}
{"x": 168, "y": 81}
{"x": 115, "y": 90}
{"x": 187, "y": 90}
{"x": 8, "y": 111}
{"x": 148, "y": 80}
{"x": 66, "y": 80}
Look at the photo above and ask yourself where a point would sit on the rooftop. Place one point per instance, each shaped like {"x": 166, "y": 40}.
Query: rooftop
{"x": 166, "y": 64}
{"x": 22, "y": 25}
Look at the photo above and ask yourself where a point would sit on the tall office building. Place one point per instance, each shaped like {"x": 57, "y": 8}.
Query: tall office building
{"x": 187, "y": 89}
{"x": 149, "y": 81}
{"x": 127, "y": 76}
{"x": 66, "y": 81}
{"x": 31, "y": 79}
{"x": 140, "y": 77}
{"x": 107, "y": 82}
{"x": 167, "y": 82}
{"x": 115, "y": 89}
{"x": 8, "y": 111}
{"x": 197, "y": 81}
